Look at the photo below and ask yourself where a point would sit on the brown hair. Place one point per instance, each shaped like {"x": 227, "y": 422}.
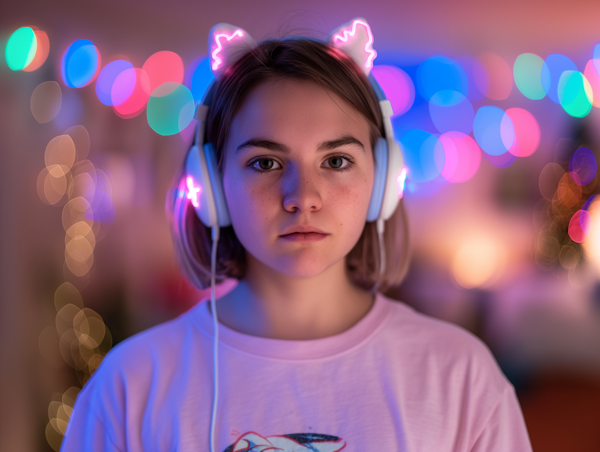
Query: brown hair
{"x": 296, "y": 59}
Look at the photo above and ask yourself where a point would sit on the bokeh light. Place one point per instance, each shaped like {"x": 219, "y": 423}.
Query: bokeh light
{"x": 81, "y": 231}
{"x": 556, "y": 64}
{"x": 77, "y": 209}
{"x": 130, "y": 92}
{"x": 580, "y": 226}
{"x": 568, "y": 192}
{"x": 397, "y": 86}
{"x": 575, "y": 93}
{"x": 500, "y": 76}
{"x": 66, "y": 294}
{"x": 423, "y": 155}
{"x": 60, "y": 151}
{"x": 583, "y": 166}
{"x": 80, "y": 64}
{"x": 451, "y": 111}
{"x": 477, "y": 260}
{"x": 526, "y": 132}
{"x": 81, "y": 139}
{"x": 170, "y": 108}
{"x": 198, "y": 77}
{"x": 21, "y": 48}
{"x": 596, "y": 57}
{"x": 549, "y": 180}
{"x": 479, "y": 82}
{"x": 46, "y": 101}
{"x": 441, "y": 73}
{"x": 106, "y": 81}
{"x": 41, "y": 53}
{"x": 163, "y": 67}
{"x": 531, "y": 75}
{"x": 462, "y": 157}
{"x": 52, "y": 184}
{"x": 591, "y": 246}
{"x": 493, "y": 130}
{"x": 593, "y": 78}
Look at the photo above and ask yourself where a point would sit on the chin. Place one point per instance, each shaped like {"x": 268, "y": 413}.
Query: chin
{"x": 302, "y": 265}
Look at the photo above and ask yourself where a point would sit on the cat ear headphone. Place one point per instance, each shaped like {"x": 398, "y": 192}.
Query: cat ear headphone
{"x": 204, "y": 186}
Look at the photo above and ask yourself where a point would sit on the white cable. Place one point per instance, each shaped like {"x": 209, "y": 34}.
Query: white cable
{"x": 380, "y": 231}
{"x": 213, "y": 307}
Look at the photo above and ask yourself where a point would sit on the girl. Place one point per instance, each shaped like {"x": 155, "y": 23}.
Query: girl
{"x": 306, "y": 354}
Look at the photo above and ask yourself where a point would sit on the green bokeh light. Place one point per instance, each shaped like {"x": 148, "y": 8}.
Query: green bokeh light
{"x": 170, "y": 108}
{"x": 575, "y": 93}
{"x": 531, "y": 75}
{"x": 21, "y": 48}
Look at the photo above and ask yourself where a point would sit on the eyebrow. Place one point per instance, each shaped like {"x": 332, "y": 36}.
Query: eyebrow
{"x": 274, "y": 146}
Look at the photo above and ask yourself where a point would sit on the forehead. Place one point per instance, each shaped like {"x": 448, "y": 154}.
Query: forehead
{"x": 296, "y": 112}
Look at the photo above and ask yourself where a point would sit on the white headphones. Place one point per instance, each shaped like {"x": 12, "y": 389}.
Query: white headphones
{"x": 204, "y": 186}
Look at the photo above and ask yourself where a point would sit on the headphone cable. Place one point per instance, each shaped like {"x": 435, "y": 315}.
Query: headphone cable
{"x": 213, "y": 307}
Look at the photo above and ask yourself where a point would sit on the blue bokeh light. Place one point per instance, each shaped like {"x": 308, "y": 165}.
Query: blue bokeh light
{"x": 423, "y": 155}
{"x": 198, "y": 77}
{"x": 555, "y": 65}
{"x": 493, "y": 130}
{"x": 80, "y": 63}
{"x": 451, "y": 111}
{"x": 441, "y": 73}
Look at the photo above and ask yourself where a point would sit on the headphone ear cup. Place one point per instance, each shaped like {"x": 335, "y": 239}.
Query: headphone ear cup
{"x": 394, "y": 180}
{"x": 216, "y": 182}
{"x": 198, "y": 187}
{"x": 380, "y": 154}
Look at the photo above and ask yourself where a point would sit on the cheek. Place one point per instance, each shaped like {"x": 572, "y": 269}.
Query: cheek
{"x": 349, "y": 204}
{"x": 251, "y": 205}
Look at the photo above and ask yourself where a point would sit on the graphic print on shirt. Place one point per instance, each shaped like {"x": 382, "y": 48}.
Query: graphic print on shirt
{"x": 293, "y": 442}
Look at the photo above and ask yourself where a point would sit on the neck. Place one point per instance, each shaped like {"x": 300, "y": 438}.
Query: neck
{"x": 267, "y": 303}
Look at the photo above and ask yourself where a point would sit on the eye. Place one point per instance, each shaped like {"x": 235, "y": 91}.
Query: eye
{"x": 338, "y": 162}
{"x": 265, "y": 164}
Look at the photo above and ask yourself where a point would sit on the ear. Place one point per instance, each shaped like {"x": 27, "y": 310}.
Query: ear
{"x": 355, "y": 39}
{"x": 226, "y": 45}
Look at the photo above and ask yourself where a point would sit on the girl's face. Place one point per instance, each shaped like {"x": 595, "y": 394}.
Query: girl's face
{"x": 298, "y": 176}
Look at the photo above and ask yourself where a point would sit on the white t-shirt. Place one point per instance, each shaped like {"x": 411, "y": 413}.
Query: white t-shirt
{"x": 395, "y": 381}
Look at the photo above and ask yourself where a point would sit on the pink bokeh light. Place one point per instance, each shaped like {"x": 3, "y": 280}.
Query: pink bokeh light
{"x": 397, "y": 86}
{"x": 162, "y": 67}
{"x": 136, "y": 101}
{"x": 462, "y": 157}
{"x": 526, "y": 130}
{"x": 580, "y": 226}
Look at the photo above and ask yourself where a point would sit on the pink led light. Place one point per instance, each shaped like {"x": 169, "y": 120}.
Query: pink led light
{"x": 401, "y": 182}
{"x": 193, "y": 192}
{"x": 368, "y": 45}
{"x": 216, "y": 60}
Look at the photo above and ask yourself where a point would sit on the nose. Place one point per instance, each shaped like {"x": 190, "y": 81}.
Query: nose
{"x": 301, "y": 190}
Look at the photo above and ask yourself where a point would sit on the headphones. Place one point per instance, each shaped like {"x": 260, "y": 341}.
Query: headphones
{"x": 204, "y": 185}
{"x": 203, "y": 182}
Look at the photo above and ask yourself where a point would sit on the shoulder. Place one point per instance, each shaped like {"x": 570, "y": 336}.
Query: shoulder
{"x": 153, "y": 353}
{"x": 436, "y": 344}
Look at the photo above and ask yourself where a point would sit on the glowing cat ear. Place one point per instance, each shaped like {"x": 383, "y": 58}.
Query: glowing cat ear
{"x": 226, "y": 45}
{"x": 355, "y": 39}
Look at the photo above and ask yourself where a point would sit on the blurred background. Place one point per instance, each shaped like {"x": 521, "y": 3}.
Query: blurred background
{"x": 496, "y": 106}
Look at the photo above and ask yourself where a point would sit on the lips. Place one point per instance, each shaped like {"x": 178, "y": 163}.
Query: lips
{"x": 303, "y": 230}
{"x": 304, "y": 234}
